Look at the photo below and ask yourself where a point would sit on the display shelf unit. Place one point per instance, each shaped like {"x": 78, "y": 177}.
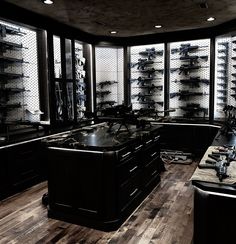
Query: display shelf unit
{"x": 147, "y": 77}
{"x": 189, "y": 79}
{"x": 19, "y": 85}
{"x": 69, "y": 80}
{"x": 225, "y": 74}
{"x": 109, "y": 76}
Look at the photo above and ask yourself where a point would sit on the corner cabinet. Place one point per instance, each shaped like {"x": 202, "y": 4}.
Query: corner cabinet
{"x": 101, "y": 188}
{"x": 21, "y": 168}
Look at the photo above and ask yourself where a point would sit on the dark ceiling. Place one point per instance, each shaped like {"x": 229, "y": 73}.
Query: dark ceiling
{"x": 133, "y": 18}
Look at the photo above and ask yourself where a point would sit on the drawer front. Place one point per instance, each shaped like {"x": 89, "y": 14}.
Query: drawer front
{"x": 127, "y": 169}
{"x": 150, "y": 171}
{"x": 129, "y": 191}
{"x": 125, "y": 153}
{"x": 23, "y": 163}
{"x": 150, "y": 153}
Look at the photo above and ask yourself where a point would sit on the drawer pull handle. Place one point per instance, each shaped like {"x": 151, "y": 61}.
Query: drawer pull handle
{"x": 156, "y": 138}
{"x": 125, "y": 155}
{"x": 152, "y": 155}
{"x": 134, "y": 168}
{"x": 131, "y": 194}
{"x": 148, "y": 141}
{"x": 153, "y": 173}
{"x": 136, "y": 148}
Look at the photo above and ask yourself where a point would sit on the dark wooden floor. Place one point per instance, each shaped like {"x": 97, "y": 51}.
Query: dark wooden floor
{"x": 165, "y": 217}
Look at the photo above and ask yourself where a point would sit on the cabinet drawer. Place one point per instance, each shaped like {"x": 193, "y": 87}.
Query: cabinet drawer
{"x": 125, "y": 153}
{"x": 150, "y": 171}
{"x": 151, "y": 153}
{"x": 129, "y": 191}
{"x": 127, "y": 169}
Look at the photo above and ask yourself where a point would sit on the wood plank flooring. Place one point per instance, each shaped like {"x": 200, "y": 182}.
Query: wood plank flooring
{"x": 164, "y": 217}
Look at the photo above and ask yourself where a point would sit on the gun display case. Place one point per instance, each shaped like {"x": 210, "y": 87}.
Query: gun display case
{"x": 109, "y": 76}
{"x": 69, "y": 80}
{"x": 147, "y": 77}
{"x": 19, "y": 82}
{"x": 189, "y": 79}
{"x": 225, "y": 74}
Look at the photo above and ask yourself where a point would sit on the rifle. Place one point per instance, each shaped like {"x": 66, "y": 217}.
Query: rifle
{"x": 184, "y": 95}
{"x": 141, "y": 79}
{"x": 111, "y": 103}
{"x": 150, "y": 103}
{"x": 6, "y": 45}
{"x": 142, "y": 62}
{"x": 107, "y": 82}
{"x": 186, "y": 69}
{"x": 70, "y": 107}
{"x": 151, "y": 53}
{"x": 151, "y": 71}
{"x": 224, "y": 92}
{"x": 10, "y": 105}
{"x": 11, "y": 76}
{"x": 193, "y": 108}
{"x": 59, "y": 101}
{"x": 224, "y": 65}
{"x": 141, "y": 97}
{"x": 6, "y": 61}
{"x": 103, "y": 93}
{"x": 223, "y": 85}
{"x": 222, "y": 98}
{"x": 223, "y": 71}
{"x": 221, "y": 104}
{"x": 152, "y": 87}
{"x": 225, "y": 44}
{"x": 233, "y": 88}
{"x": 5, "y": 92}
{"x": 225, "y": 51}
{"x": 193, "y": 81}
{"x": 219, "y": 166}
{"x": 186, "y": 48}
{"x": 223, "y": 57}
{"x": 81, "y": 86}
{"x": 192, "y": 59}
{"x": 4, "y": 29}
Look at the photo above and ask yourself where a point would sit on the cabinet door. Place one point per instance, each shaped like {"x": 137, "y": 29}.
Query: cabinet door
{"x": 75, "y": 180}
{"x": 23, "y": 164}
{"x": 4, "y": 180}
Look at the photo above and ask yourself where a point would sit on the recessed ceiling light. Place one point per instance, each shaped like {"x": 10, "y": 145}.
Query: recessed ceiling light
{"x": 211, "y": 19}
{"x": 113, "y": 32}
{"x": 158, "y": 26}
{"x": 48, "y": 1}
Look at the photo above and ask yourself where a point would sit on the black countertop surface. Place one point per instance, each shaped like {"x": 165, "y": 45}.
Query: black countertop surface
{"x": 98, "y": 137}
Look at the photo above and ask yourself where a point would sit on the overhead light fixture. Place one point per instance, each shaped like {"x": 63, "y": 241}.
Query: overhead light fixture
{"x": 48, "y": 1}
{"x": 158, "y": 26}
{"x": 211, "y": 19}
{"x": 113, "y": 32}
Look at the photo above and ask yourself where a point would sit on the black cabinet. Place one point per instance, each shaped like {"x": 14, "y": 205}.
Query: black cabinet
{"x": 4, "y": 184}
{"x": 22, "y": 166}
{"x": 101, "y": 188}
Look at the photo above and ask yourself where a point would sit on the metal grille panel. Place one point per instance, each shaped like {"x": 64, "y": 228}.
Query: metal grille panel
{"x": 182, "y": 104}
{"x": 147, "y": 88}
{"x": 109, "y": 76}
{"x": 28, "y": 68}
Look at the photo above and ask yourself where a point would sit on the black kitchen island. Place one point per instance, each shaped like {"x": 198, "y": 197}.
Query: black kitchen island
{"x": 97, "y": 177}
